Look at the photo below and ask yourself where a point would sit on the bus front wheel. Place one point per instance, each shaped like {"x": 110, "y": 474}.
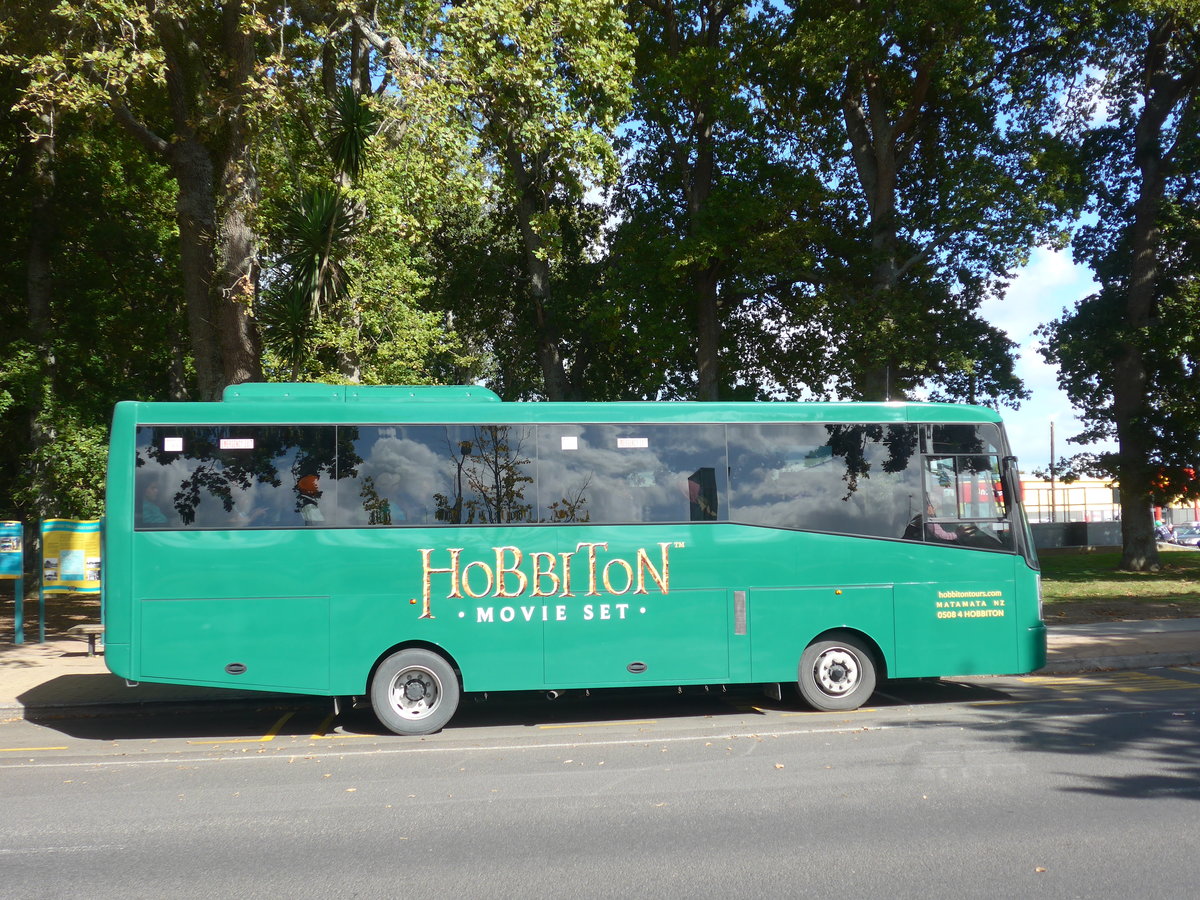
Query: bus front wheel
{"x": 837, "y": 673}
{"x": 414, "y": 692}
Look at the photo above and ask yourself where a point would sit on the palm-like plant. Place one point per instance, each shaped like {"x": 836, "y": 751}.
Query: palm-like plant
{"x": 315, "y": 235}
{"x": 354, "y": 123}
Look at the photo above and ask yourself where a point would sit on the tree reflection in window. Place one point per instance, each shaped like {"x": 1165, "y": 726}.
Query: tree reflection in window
{"x": 842, "y": 478}
{"x": 253, "y": 473}
{"x": 852, "y": 442}
{"x": 572, "y": 508}
{"x": 490, "y": 479}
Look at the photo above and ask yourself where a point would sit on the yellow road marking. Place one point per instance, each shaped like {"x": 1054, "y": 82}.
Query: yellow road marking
{"x": 269, "y": 736}
{"x": 600, "y": 724}
{"x": 323, "y": 728}
{"x": 322, "y": 732}
{"x": 27, "y": 749}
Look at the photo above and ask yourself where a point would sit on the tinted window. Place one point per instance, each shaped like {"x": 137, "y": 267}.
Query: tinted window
{"x": 439, "y": 475}
{"x": 964, "y": 439}
{"x": 632, "y": 473}
{"x": 231, "y": 476}
{"x": 849, "y": 479}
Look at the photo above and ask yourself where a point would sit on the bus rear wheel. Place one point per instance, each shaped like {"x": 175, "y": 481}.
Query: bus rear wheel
{"x": 414, "y": 692}
{"x": 837, "y": 673}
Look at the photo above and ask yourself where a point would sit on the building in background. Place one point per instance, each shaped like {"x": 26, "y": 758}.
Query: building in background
{"x": 1089, "y": 500}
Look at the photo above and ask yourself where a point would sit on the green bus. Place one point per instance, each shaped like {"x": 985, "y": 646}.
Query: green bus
{"x": 411, "y": 544}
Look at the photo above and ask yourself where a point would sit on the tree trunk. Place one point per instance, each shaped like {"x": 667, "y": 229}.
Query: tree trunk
{"x": 1134, "y": 441}
{"x": 695, "y": 160}
{"x": 197, "y": 219}
{"x": 548, "y": 342}
{"x": 1131, "y": 382}
{"x": 708, "y": 333}
{"x": 706, "y": 276}
{"x": 40, "y": 295}
{"x": 880, "y": 142}
{"x": 237, "y": 241}
{"x": 237, "y": 276}
{"x": 874, "y": 149}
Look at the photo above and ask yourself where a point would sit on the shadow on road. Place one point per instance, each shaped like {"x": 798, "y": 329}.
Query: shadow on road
{"x": 204, "y": 713}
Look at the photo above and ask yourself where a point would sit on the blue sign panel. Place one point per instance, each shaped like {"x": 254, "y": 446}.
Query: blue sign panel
{"x": 12, "y": 550}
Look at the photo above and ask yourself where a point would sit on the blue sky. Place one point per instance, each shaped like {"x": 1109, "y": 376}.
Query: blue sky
{"x": 1040, "y": 292}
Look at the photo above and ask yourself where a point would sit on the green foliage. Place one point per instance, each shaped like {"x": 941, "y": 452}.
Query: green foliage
{"x": 70, "y": 470}
{"x": 354, "y": 122}
{"x": 930, "y": 127}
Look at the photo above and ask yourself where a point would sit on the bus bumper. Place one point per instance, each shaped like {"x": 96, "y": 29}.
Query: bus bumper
{"x": 1033, "y": 654}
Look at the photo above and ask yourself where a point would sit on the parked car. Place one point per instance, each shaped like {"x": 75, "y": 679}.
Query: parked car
{"x": 1188, "y": 535}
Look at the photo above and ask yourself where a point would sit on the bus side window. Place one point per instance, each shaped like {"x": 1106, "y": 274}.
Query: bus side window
{"x": 229, "y": 476}
{"x": 614, "y": 474}
{"x": 837, "y": 478}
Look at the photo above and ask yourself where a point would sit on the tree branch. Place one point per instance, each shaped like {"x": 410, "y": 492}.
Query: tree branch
{"x": 154, "y": 144}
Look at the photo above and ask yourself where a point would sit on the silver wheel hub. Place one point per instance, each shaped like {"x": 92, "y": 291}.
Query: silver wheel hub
{"x": 415, "y": 692}
{"x": 837, "y": 671}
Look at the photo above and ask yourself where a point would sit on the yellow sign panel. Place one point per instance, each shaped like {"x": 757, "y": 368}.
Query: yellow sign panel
{"x": 71, "y": 556}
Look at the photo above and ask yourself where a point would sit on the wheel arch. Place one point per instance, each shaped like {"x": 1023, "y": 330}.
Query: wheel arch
{"x": 872, "y": 646}
{"x": 414, "y": 645}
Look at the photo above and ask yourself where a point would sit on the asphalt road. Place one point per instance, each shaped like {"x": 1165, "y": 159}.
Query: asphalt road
{"x": 1083, "y": 786}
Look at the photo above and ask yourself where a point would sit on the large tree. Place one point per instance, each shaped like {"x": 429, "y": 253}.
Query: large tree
{"x": 1127, "y": 355}
{"x": 182, "y": 77}
{"x": 535, "y": 91}
{"x": 930, "y": 125}
{"x": 710, "y": 208}
{"x": 100, "y": 325}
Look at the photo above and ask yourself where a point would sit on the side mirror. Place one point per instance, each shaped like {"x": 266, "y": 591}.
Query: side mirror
{"x": 1010, "y": 479}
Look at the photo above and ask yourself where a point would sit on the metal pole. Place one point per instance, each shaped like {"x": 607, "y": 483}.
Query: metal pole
{"x": 1052, "y": 502}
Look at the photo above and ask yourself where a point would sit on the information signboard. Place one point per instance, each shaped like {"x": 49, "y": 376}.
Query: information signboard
{"x": 12, "y": 568}
{"x": 71, "y": 556}
{"x": 70, "y": 561}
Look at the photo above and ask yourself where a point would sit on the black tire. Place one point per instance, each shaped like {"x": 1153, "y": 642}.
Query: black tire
{"x": 837, "y": 673}
{"x": 414, "y": 692}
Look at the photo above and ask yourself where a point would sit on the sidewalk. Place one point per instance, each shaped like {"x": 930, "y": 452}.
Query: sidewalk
{"x": 58, "y": 676}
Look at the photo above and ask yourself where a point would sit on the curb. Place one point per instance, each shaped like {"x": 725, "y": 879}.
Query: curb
{"x": 1113, "y": 663}
{"x": 164, "y": 705}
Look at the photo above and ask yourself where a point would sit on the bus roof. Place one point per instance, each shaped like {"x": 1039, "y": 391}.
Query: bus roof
{"x": 384, "y": 404}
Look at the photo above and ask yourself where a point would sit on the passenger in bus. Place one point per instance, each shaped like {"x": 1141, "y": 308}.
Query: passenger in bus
{"x": 931, "y": 529}
{"x": 309, "y": 489}
{"x": 245, "y": 514}
{"x": 147, "y": 511}
{"x": 934, "y": 531}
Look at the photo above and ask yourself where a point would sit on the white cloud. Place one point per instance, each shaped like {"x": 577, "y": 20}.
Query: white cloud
{"x": 1050, "y": 284}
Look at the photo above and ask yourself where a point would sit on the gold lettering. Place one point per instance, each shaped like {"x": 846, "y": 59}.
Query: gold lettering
{"x": 566, "y": 575}
{"x": 628, "y": 577}
{"x": 427, "y": 573}
{"x": 539, "y": 573}
{"x": 591, "y": 558}
{"x": 466, "y": 579}
{"x": 514, "y": 569}
{"x": 661, "y": 577}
